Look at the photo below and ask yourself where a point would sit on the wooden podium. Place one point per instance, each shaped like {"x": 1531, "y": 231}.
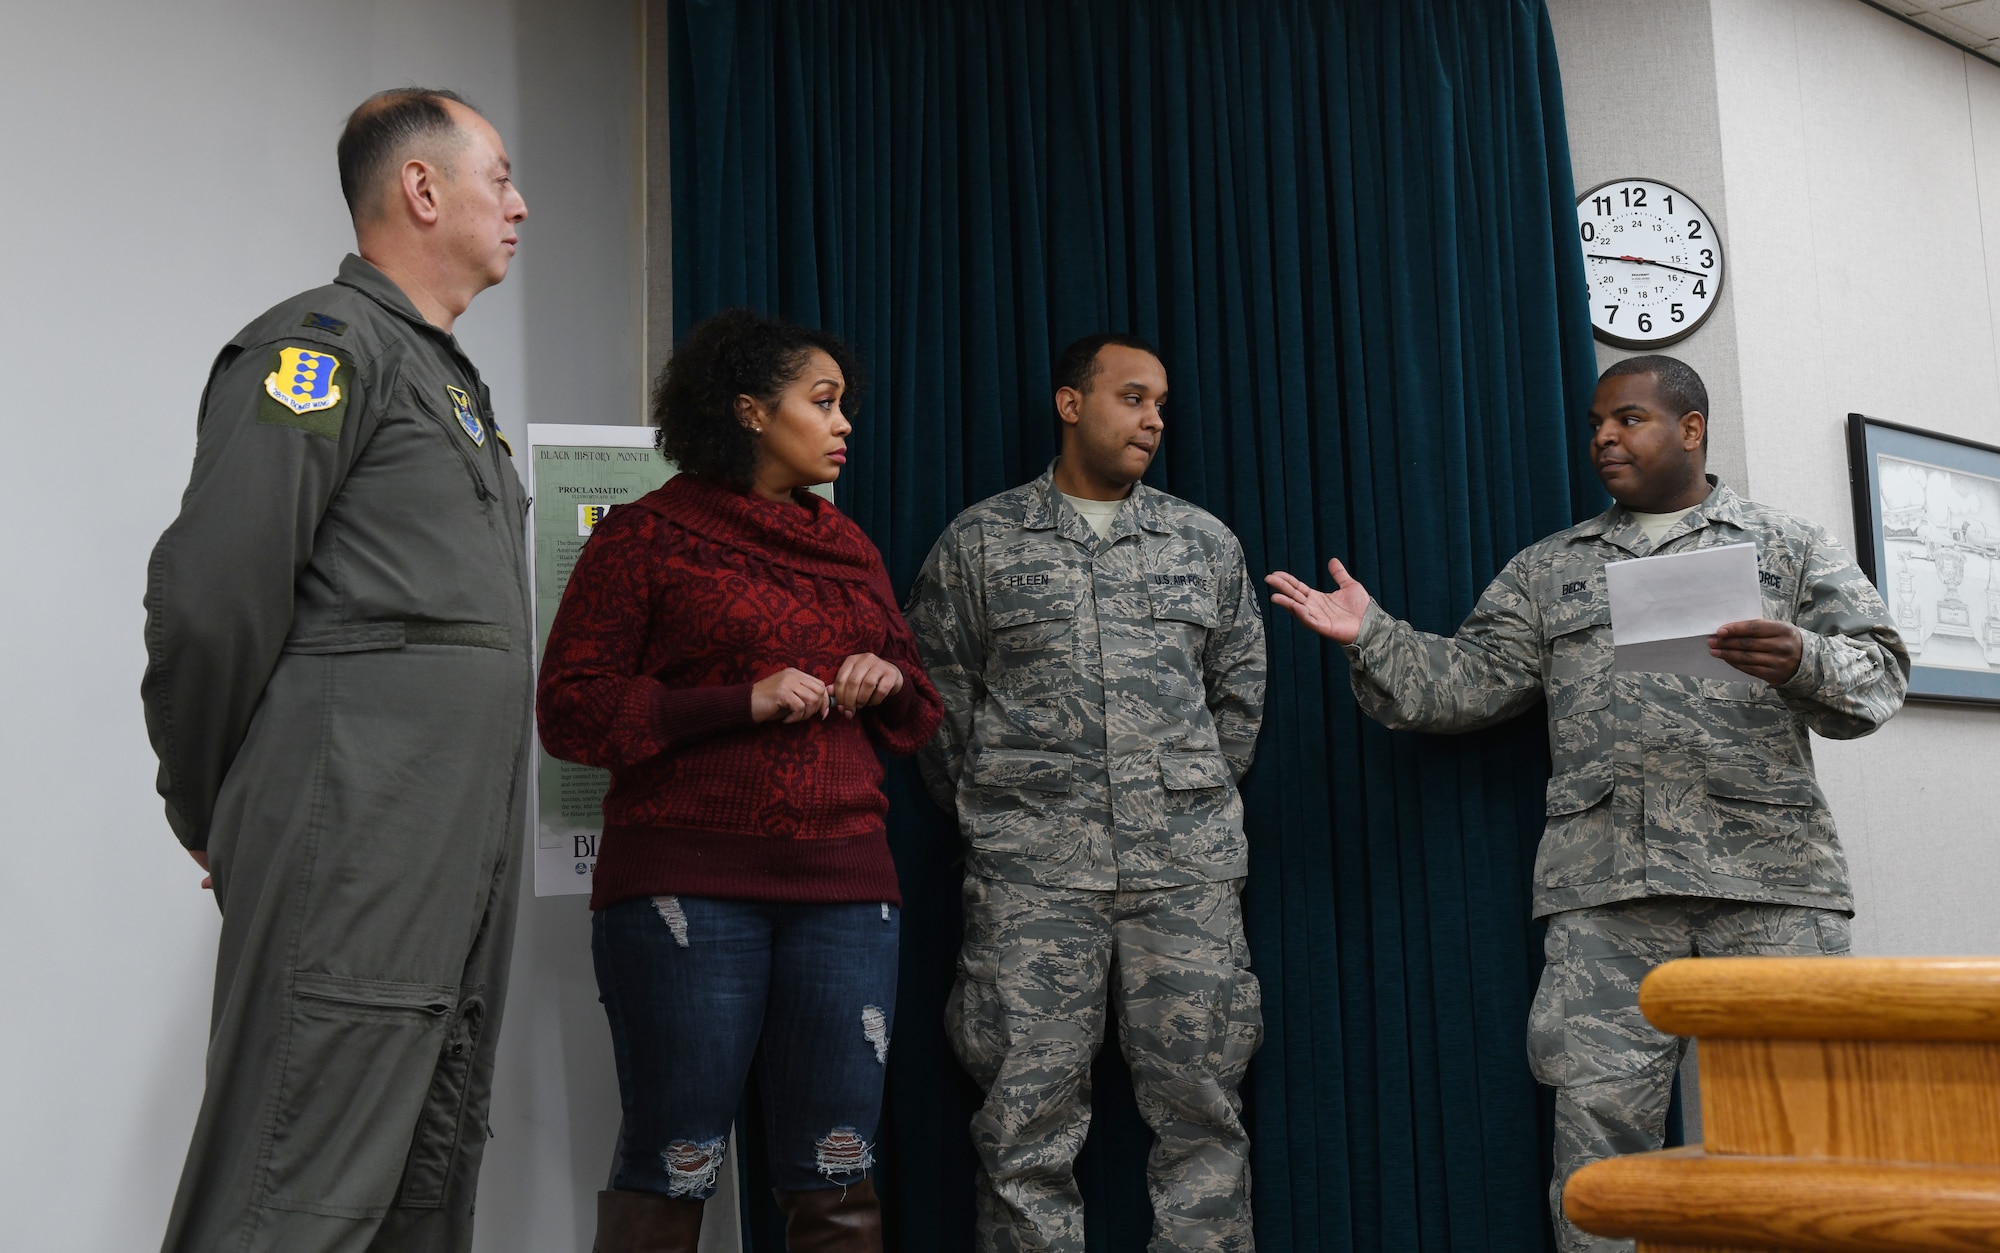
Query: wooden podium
{"x": 1849, "y": 1105}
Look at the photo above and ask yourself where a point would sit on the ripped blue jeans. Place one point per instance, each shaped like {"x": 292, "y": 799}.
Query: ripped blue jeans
{"x": 699, "y": 990}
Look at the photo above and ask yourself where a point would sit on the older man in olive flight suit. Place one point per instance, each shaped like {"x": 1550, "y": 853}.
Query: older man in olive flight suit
{"x": 339, "y": 690}
{"x": 1684, "y": 817}
{"x": 1100, "y": 653}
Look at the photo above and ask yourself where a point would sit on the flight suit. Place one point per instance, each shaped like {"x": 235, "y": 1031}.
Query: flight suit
{"x": 339, "y": 687}
{"x": 1684, "y": 817}
{"x": 1102, "y": 701}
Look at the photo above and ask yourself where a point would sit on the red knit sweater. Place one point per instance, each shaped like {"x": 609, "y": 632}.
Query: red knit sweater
{"x": 681, "y": 601}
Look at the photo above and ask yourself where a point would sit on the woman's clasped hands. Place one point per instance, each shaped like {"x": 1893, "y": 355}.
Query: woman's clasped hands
{"x": 792, "y": 695}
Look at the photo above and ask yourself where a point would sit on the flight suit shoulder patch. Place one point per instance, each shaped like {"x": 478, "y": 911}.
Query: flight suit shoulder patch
{"x": 305, "y": 390}
{"x": 324, "y": 322}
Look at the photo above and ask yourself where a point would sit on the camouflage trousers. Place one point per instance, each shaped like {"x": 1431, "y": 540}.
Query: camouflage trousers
{"x": 1612, "y": 1071}
{"x": 1026, "y": 1018}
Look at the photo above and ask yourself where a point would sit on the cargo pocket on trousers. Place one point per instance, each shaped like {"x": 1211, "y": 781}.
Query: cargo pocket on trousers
{"x": 1836, "y": 933}
{"x": 1548, "y": 1030}
{"x": 443, "y": 1120}
{"x": 359, "y": 1057}
{"x": 973, "y": 1017}
{"x": 1242, "y": 1029}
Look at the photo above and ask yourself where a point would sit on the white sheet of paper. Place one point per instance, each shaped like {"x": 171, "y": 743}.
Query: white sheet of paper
{"x": 1663, "y": 609}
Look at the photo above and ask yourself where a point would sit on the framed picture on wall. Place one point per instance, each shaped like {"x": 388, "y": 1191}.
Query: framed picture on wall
{"x": 1927, "y": 527}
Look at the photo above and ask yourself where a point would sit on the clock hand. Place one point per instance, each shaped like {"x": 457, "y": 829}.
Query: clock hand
{"x": 1658, "y": 265}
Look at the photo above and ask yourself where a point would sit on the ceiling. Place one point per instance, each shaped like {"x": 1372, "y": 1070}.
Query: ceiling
{"x": 1971, "y": 24}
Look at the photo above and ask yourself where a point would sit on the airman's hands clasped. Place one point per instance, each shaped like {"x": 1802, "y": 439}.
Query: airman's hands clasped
{"x": 1336, "y": 615}
{"x": 792, "y": 695}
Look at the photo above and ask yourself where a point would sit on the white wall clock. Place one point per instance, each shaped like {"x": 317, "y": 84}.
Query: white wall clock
{"x": 1653, "y": 259}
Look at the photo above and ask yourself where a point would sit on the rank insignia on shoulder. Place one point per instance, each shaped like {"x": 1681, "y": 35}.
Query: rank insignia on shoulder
{"x": 303, "y": 381}
{"x": 468, "y": 417}
{"x": 321, "y": 322}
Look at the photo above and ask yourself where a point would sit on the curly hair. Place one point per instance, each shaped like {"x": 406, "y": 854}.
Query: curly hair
{"x": 735, "y": 353}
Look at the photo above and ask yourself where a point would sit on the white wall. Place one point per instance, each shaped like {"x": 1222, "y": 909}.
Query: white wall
{"x": 1660, "y": 123}
{"x": 1853, "y": 166}
{"x": 170, "y": 175}
{"x": 1862, "y": 159}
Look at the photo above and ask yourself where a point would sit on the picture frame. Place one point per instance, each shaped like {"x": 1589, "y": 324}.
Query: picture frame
{"x": 1927, "y": 534}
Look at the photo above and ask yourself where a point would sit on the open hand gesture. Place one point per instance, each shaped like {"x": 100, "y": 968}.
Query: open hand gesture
{"x": 1336, "y": 614}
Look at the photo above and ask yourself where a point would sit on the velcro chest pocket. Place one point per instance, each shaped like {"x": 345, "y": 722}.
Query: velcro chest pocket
{"x": 1577, "y": 654}
{"x": 1031, "y": 621}
{"x": 1184, "y": 598}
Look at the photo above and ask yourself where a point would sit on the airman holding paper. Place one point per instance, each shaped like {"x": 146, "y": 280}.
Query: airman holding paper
{"x": 1683, "y": 817}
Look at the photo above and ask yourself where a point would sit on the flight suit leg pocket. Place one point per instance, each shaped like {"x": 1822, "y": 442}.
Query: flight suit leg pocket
{"x": 442, "y": 1123}
{"x": 359, "y": 1060}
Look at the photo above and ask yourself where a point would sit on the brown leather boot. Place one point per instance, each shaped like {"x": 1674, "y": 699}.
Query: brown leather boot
{"x": 646, "y": 1222}
{"x": 833, "y": 1220}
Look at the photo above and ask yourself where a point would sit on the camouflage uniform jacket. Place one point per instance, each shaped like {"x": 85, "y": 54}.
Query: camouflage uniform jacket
{"x": 1665, "y": 784}
{"x": 1101, "y": 697}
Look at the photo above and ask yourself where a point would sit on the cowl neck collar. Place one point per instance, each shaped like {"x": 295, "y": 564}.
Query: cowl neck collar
{"x": 806, "y": 532}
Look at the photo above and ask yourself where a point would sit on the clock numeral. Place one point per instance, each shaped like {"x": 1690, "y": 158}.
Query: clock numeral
{"x": 1708, "y": 258}
{"x": 1612, "y": 310}
{"x": 1635, "y": 197}
{"x": 1602, "y": 204}
{"x": 1694, "y": 227}
{"x": 1589, "y": 232}
{"x": 1674, "y": 312}
{"x": 1701, "y": 287}
{"x": 1670, "y": 206}
{"x": 1645, "y": 322}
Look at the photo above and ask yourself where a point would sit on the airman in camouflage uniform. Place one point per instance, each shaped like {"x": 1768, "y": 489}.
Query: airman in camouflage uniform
{"x": 1683, "y": 817}
{"x": 1102, "y": 698}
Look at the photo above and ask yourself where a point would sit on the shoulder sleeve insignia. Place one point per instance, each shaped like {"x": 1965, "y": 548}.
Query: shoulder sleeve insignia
{"x": 467, "y": 415}
{"x": 303, "y": 381}
{"x": 302, "y": 390}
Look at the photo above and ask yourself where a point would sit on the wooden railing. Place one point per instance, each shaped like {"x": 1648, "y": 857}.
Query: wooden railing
{"x": 1849, "y": 1105}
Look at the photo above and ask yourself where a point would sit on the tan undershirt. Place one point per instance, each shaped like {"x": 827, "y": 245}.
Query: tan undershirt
{"x": 1098, "y": 513}
{"x": 1656, "y": 525}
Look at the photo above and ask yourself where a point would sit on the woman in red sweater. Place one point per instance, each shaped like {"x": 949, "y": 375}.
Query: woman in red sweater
{"x": 729, "y": 648}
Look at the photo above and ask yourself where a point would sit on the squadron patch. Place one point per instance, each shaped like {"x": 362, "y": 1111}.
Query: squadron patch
{"x": 468, "y": 417}
{"x": 301, "y": 391}
{"x": 303, "y": 381}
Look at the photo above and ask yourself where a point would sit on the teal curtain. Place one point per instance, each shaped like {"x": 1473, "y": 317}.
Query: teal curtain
{"x": 1348, "y": 226}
